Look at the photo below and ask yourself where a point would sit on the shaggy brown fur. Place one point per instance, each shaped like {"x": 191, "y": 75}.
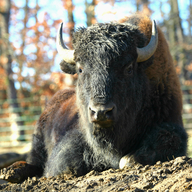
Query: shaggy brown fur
{"x": 161, "y": 73}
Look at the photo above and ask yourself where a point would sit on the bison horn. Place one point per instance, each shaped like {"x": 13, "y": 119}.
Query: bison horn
{"x": 64, "y": 52}
{"x": 147, "y": 51}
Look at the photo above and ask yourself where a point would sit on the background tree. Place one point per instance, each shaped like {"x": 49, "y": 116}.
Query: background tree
{"x": 143, "y": 6}
{"x": 6, "y": 67}
{"x": 68, "y": 5}
{"x": 35, "y": 50}
{"x": 90, "y": 12}
{"x": 176, "y": 38}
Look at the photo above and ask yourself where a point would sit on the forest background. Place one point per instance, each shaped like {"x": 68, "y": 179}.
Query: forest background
{"x": 29, "y": 63}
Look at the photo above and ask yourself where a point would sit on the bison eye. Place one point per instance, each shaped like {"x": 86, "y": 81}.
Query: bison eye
{"x": 129, "y": 69}
{"x": 80, "y": 70}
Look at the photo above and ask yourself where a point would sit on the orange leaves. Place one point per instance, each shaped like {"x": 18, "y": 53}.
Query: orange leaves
{"x": 2, "y": 79}
{"x": 146, "y": 10}
{"x": 3, "y": 60}
{"x": 189, "y": 67}
{"x": 70, "y": 25}
{"x": 109, "y": 12}
{"x": 63, "y": 80}
{"x": 34, "y": 47}
{"x": 20, "y": 78}
{"x": 178, "y": 70}
{"x": 2, "y": 72}
{"x": 68, "y": 4}
{"x": 3, "y": 5}
{"x": 188, "y": 83}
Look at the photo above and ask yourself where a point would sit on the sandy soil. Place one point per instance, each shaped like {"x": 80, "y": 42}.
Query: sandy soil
{"x": 175, "y": 175}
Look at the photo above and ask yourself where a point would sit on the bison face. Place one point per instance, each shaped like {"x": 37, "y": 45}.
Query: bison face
{"x": 111, "y": 86}
{"x": 106, "y": 90}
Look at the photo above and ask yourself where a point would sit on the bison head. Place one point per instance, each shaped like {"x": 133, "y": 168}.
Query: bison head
{"x": 110, "y": 60}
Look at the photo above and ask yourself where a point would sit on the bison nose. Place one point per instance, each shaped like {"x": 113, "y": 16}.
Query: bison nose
{"x": 102, "y": 113}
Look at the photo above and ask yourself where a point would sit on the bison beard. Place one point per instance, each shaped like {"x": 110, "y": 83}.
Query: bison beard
{"x": 123, "y": 105}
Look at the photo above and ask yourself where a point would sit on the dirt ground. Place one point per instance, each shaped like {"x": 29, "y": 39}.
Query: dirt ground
{"x": 175, "y": 175}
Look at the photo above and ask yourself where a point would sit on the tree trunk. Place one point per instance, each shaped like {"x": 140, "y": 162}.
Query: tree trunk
{"x": 137, "y": 5}
{"x": 90, "y": 13}
{"x": 5, "y": 52}
{"x": 144, "y": 8}
{"x": 177, "y": 38}
{"x": 71, "y": 23}
{"x": 190, "y": 18}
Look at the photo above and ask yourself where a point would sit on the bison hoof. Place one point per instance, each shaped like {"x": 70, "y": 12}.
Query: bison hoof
{"x": 13, "y": 173}
{"x": 126, "y": 161}
{"x": 19, "y": 171}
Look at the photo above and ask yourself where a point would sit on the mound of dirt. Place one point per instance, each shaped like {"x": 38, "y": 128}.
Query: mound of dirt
{"x": 175, "y": 175}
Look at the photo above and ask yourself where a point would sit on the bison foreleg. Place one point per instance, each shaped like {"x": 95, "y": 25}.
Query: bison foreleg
{"x": 67, "y": 156}
{"x": 38, "y": 154}
{"x": 162, "y": 143}
{"x": 18, "y": 172}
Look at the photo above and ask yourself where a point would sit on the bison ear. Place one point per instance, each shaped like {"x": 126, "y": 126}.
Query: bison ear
{"x": 68, "y": 68}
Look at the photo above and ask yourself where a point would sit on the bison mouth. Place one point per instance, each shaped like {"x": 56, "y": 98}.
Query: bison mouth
{"x": 103, "y": 124}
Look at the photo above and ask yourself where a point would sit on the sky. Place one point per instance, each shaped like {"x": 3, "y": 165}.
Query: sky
{"x": 122, "y": 9}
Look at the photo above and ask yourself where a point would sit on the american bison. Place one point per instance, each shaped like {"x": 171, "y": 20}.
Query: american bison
{"x": 126, "y": 106}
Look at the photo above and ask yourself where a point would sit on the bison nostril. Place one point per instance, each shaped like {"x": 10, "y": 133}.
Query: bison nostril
{"x": 109, "y": 113}
{"x": 109, "y": 110}
{"x": 101, "y": 113}
{"x": 92, "y": 112}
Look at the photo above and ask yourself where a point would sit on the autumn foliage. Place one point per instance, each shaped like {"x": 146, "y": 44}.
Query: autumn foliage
{"x": 32, "y": 34}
